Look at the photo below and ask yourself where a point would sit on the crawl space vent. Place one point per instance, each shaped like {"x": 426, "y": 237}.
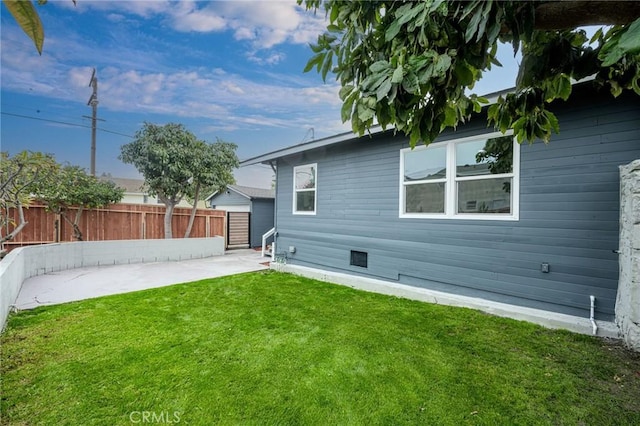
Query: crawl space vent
{"x": 358, "y": 258}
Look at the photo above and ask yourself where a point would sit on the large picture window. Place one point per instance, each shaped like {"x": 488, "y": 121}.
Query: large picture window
{"x": 470, "y": 178}
{"x": 304, "y": 189}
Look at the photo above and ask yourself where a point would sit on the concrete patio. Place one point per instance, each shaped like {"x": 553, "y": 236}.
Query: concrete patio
{"x": 85, "y": 283}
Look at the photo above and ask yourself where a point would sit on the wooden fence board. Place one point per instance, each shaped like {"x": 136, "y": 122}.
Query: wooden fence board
{"x": 116, "y": 222}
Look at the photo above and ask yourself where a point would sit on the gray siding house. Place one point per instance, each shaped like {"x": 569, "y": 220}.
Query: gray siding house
{"x": 250, "y": 211}
{"x": 474, "y": 214}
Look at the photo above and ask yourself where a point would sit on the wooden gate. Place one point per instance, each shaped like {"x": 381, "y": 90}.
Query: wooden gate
{"x": 238, "y": 229}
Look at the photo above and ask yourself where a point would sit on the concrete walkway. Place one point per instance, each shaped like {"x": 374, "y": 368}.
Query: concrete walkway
{"x": 86, "y": 283}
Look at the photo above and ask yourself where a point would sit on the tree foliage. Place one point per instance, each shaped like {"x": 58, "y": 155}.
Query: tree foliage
{"x": 20, "y": 178}
{"x": 413, "y": 64}
{"x": 70, "y": 188}
{"x": 212, "y": 171}
{"x": 176, "y": 164}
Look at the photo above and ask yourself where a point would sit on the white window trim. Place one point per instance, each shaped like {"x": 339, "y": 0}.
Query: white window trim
{"x": 450, "y": 210}
{"x": 315, "y": 190}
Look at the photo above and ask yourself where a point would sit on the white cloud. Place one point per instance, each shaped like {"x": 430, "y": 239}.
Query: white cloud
{"x": 271, "y": 58}
{"x": 264, "y": 23}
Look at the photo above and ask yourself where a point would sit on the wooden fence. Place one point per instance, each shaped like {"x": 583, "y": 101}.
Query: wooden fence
{"x": 116, "y": 222}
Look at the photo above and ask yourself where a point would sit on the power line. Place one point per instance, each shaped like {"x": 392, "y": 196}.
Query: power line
{"x": 63, "y": 122}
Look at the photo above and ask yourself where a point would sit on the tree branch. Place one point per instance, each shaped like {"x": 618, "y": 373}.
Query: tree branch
{"x": 559, "y": 15}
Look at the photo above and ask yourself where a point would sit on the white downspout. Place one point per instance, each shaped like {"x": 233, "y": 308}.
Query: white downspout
{"x": 592, "y": 317}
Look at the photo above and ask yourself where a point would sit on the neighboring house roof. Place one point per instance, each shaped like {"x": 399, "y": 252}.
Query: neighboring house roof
{"x": 248, "y": 192}
{"x": 129, "y": 185}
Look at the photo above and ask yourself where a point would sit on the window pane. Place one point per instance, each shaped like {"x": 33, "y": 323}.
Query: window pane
{"x": 424, "y": 198}
{"x": 305, "y": 201}
{"x": 305, "y": 177}
{"x": 483, "y": 157}
{"x": 427, "y": 163}
{"x": 484, "y": 196}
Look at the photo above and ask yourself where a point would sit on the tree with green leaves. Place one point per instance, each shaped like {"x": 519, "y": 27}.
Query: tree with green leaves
{"x": 212, "y": 171}
{"x": 20, "y": 178}
{"x": 71, "y": 188}
{"x": 175, "y": 164}
{"x": 413, "y": 64}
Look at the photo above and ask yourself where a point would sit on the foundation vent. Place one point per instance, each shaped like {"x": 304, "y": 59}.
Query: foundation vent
{"x": 358, "y": 258}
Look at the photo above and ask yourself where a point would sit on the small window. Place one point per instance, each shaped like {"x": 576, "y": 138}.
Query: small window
{"x": 358, "y": 258}
{"x": 304, "y": 189}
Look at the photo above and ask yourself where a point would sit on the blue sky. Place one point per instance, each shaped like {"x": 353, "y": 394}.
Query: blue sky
{"x": 226, "y": 69}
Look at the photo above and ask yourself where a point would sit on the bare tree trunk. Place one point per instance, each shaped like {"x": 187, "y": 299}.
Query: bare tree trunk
{"x": 168, "y": 214}
{"x": 77, "y": 233}
{"x": 192, "y": 216}
{"x": 69, "y": 221}
{"x": 21, "y": 224}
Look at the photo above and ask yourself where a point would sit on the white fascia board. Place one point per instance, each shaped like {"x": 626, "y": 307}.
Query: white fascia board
{"x": 320, "y": 143}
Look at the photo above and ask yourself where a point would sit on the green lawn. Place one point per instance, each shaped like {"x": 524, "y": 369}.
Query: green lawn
{"x": 272, "y": 348}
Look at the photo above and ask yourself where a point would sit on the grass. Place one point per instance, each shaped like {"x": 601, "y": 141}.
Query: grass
{"x": 272, "y": 348}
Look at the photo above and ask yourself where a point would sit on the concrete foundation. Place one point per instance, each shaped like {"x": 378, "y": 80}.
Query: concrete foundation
{"x": 537, "y": 316}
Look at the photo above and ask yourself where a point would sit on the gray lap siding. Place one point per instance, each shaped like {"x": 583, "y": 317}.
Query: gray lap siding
{"x": 568, "y": 216}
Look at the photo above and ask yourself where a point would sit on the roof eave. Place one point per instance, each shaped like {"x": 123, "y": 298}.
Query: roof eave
{"x": 342, "y": 137}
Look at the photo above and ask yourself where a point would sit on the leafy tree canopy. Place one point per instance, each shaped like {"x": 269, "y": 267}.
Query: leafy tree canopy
{"x": 413, "y": 64}
{"x": 20, "y": 177}
{"x": 70, "y": 187}
{"x": 176, "y": 164}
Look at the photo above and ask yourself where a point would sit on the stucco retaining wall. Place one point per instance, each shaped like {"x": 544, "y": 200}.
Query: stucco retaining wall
{"x": 26, "y": 262}
{"x": 628, "y": 298}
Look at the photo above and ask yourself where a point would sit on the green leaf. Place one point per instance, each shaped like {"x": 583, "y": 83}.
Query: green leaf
{"x": 315, "y": 59}
{"x": 553, "y": 121}
{"x": 442, "y": 64}
{"x": 627, "y": 41}
{"x": 345, "y": 111}
{"x": 564, "y": 87}
{"x": 328, "y": 61}
{"x": 345, "y": 91}
{"x": 630, "y": 39}
{"x": 472, "y": 27}
{"x": 435, "y": 5}
{"x": 450, "y": 117}
{"x": 616, "y": 89}
{"x": 397, "y": 75}
{"x": 27, "y": 17}
{"x": 364, "y": 112}
{"x": 464, "y": 74}
{"x": 383, "y": 89}
{"x": 393, "y": 30}
{"x": 379, "y": 66}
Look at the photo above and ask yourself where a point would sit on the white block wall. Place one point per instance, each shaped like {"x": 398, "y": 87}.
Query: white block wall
{"x": 27, "y": 262}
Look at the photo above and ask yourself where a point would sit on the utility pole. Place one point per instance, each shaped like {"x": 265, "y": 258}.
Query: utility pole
{"x": 93, "y": 101}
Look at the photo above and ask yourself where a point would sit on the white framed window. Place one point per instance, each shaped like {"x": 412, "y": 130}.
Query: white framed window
{"x": 304, "y": 189}
{"x": 471, "y": 178}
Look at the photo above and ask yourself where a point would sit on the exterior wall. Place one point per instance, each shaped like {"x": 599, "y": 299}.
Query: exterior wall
{"x": 232, "y": 208}
{"x": 27, "y": 262}
{"x": 628, "y": 304}
{"x": 229, "y": 198}
{"x": 262, "y": 215}
{"x": 569, "y": 207}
